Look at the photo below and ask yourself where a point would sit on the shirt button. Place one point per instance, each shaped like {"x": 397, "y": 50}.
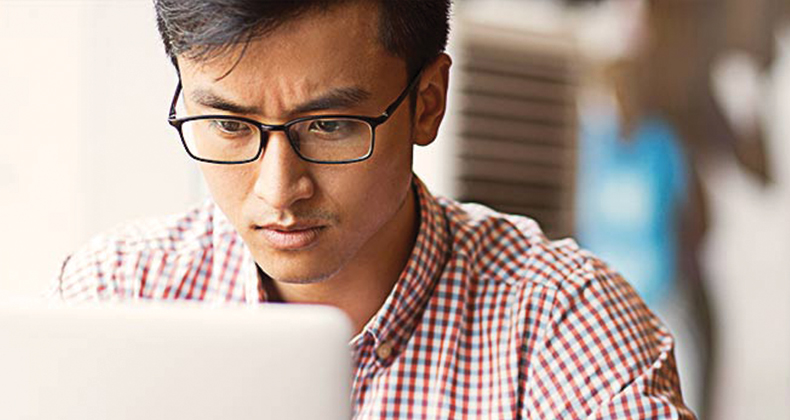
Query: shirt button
{"x": 384, "y": 351}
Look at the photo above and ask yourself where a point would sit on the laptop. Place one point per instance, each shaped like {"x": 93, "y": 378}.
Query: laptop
{"x": 173, "y": 361}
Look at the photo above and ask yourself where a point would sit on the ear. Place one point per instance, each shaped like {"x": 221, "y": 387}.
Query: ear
{"x": 431, "y": 100}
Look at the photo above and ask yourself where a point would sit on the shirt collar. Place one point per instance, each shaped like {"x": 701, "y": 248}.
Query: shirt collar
{"x": 395, "y": 321}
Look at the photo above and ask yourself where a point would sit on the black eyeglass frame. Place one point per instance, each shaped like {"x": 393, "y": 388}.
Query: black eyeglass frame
{"x": 373, "y": 122}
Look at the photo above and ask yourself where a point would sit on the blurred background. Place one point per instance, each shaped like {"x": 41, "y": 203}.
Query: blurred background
{"x": 654, "y": 132}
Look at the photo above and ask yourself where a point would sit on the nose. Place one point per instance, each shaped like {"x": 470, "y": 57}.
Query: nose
{"x": 283, "y": 178}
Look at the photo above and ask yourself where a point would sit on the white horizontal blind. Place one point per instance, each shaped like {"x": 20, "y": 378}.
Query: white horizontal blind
{"x": 516, "y": 130}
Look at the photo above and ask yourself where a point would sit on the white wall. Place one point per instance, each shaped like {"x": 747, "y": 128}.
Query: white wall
{"x": 84, "y": 143}
{"x": 746, "y": 259}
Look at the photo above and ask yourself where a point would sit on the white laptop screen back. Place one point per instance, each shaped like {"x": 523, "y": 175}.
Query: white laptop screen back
{"x": 173, "y": 362}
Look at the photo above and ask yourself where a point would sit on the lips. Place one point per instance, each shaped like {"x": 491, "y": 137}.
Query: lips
{"x": 290, "y": 238}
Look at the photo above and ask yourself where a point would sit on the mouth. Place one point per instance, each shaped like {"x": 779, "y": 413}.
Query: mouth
{"x": 292, "y": 237}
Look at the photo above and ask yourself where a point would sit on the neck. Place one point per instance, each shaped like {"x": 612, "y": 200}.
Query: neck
{"x": 361, "y": 287}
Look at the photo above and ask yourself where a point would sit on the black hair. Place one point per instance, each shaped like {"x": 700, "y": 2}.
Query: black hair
{"x": 414, "y": 30}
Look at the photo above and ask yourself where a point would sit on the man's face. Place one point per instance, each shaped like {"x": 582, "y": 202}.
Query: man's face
{"x": 305, "y": 222}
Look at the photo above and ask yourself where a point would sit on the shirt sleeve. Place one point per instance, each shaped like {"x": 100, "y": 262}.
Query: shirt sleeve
{"x": 85, "y": 275}
{"x": 603, "y": 355}
{"x": 54, "y": 291}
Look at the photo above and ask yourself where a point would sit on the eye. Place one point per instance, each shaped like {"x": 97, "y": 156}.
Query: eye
{"x": 327, "y": 126}
{"x": 231, "y": 127}
{"x": 329, "y": 130}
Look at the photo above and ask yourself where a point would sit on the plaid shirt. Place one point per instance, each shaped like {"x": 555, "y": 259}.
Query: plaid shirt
{"x": 489, "y": 319}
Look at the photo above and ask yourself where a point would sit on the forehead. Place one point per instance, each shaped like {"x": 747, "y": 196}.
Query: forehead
{"x": 299, "y": 59}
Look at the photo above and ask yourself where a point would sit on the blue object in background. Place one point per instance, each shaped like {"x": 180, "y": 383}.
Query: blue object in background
{"x": 630, "y": 193}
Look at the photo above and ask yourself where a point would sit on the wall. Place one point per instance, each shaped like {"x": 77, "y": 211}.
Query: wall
{"x": 84, "y": 142}
{"x": 746, "y": 260}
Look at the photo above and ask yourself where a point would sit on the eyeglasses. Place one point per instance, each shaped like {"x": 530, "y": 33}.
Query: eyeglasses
{"x": 328, "y": 139}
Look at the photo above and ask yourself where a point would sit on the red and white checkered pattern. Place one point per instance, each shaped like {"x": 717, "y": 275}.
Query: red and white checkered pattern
{"x": 489, "y": 319}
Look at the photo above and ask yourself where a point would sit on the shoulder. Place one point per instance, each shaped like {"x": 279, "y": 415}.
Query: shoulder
{"x": 115, "y": 262}
{"x": 510, "y": 256}
{"x": 513, "y": 249}
{"x": 575, "y": 319}
{"x": 178, "y": 233}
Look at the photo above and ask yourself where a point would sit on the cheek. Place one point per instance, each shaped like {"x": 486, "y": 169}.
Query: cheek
{"x": 379, "y": 185}
{"x": 392, "y": 156}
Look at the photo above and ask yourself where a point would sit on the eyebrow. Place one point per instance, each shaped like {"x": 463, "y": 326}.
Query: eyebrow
{"x": 345, "y": 97}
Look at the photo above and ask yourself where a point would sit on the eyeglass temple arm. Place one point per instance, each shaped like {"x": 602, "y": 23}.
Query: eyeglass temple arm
{"x": 406, "y": 92}
{"x": 172, "y": 114}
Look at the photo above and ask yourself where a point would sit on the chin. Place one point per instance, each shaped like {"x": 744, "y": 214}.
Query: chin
{"x": 292, "y": 272}
{"x": 304, "y": 279}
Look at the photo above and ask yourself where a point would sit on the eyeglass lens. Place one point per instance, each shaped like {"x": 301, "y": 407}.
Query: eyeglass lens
{"x": 324, "y": 139}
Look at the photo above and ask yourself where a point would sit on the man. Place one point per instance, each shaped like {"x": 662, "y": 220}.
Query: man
{"x": 303, "y": 116}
